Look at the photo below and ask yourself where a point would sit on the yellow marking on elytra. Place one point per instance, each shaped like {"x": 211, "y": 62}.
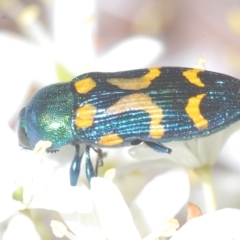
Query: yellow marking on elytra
{"x": 136, "y": 83}
{"x": 110, "y": 140}
{"x": 193, "y": 111}
{"x": 192, "y": 76}
{"x": 141, "y": 102}
{"x": 85, "y": 116}
{"x": 85, "y": 85}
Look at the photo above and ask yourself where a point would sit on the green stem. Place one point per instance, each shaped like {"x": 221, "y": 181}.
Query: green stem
{"x": 205, "y": 175}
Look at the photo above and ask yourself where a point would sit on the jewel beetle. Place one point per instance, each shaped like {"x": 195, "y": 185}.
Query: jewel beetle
{"x": 115, "y": 109}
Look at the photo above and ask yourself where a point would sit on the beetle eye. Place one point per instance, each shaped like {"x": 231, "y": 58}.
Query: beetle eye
{"x": 23, "y": 138}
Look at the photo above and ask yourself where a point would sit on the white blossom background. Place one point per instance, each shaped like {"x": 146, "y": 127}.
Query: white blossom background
{"x": 46, "y": 41}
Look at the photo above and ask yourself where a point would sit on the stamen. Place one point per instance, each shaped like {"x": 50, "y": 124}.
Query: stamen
{"x": 41, "y": 146}
{"x": 60, "y": 230}
{"x": 110, "y": 174}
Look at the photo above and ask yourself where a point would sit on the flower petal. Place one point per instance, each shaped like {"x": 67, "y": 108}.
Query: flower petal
{"x": 63, "y": 199}
{"x": 161, "y": 198}
{"x": 23, "y": 62}
{"x": 221, "y": 225}
{"x": 8, "y": 168}
{"x": 74, "y": 34}
{"x": 20, "y": 227}
{"x": 113, "y": 213}
{"x": 132, "y": 53}
{"x": 231, "y": 151}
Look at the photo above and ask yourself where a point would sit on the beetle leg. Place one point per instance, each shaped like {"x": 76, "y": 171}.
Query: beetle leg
{"x": 99, "y": 161}
{"x": 136, "y": 142}
{"x": 158, "y": 147}
{"x": 89, "y": 167}
{"x": 75, "y": 166}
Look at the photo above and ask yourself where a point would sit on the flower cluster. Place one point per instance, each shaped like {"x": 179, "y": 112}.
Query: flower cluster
{"x": 140, "y": 194}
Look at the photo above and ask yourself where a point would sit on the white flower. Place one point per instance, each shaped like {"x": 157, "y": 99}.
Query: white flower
{"x": 221, "y": 225}
{"x": 28, "y": 182}
{"x": 45, "y": 184}
{"x": 20, "y": 227}
{"x": 198, "y": 154}
{"x": 8, "y": 205}
{"x": 162, "y": 197}
{"x": 111, "y": 218}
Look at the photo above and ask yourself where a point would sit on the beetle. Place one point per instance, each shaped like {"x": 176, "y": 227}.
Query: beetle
{"x": 115, "y": 109}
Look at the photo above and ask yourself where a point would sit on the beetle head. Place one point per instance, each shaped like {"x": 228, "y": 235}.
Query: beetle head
{"x": 47, "y": 117}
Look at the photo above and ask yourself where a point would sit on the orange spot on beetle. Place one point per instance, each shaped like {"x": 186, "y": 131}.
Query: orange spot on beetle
{"x": 193, "y": 111}
{"x": 136, "y": 83}
{"x": 85, "y": 85}
{"x": 192, "y": 76}
{"x": 85, "y": 116}
{"x": 110, "y": 140}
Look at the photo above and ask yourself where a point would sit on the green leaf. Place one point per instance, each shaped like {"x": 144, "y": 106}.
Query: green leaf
{"x": 63, "y": 74}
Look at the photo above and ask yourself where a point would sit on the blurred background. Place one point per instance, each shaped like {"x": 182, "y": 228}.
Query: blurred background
{"x": 46, "y": 41}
